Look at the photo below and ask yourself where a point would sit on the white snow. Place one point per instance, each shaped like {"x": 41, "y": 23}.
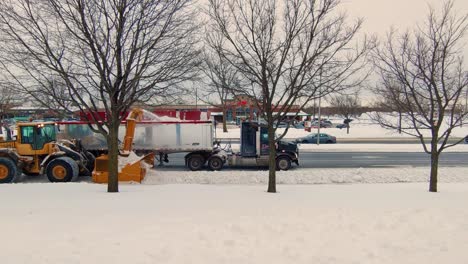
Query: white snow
{"x": 299, "y": 175}
{"x": 127, "y": 160}
{"x": 337, "y": 223}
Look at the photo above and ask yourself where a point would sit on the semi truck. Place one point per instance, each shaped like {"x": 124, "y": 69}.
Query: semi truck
{"x": 196, "y": 138}
{"x": 254, "y": 151}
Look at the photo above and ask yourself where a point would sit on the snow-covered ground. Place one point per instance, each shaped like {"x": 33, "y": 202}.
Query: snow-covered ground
{"x": 180, "y": 223}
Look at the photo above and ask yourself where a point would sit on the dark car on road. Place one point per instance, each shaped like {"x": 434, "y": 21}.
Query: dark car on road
{"x": 323, "y": 124}
{"x": 340, "y": 126}
{"x": 312, "y": 138}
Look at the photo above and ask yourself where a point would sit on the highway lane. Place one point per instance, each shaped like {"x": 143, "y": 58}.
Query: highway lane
{"x": 361, "y": 140}
{"x": 310, "y": 159}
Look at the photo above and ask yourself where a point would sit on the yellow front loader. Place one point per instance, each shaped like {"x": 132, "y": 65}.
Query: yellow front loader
{"x": 131, "y": 167}
{"x": 36, "y": 151}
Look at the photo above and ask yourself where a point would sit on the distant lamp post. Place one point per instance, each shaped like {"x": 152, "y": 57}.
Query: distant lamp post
{"x": 319, "y": 118}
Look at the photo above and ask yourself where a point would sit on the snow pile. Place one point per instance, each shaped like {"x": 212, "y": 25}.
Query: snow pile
{"x": 127, "y": 160}
{"x": 306, "y": 176}
{"x": 148, "y": 116}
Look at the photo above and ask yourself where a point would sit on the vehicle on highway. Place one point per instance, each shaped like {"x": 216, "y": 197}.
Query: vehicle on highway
{"x": 298, "y": 125}
{"x": 340, "y": 126}
{"x": 323, "y": 124}
{"x": 312, "y": 138}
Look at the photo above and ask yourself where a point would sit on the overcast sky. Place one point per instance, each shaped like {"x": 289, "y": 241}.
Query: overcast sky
{"x": 380, "y": 15}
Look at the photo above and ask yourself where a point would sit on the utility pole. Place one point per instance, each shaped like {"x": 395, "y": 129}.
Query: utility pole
{"x": 319, "y": 119}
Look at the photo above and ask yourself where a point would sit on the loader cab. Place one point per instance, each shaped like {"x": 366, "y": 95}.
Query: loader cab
{"x": 35, "y": 136}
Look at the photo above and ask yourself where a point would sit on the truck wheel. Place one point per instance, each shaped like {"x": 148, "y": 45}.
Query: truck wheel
{"x": 283, "y": 163}
{"x": 62, "y": 169}
{"x": 195, "y": 162}
{"x": 215, "y": 163}
{"x": 8, "y": 170}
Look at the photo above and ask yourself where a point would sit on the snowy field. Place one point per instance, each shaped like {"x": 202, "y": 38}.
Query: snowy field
{"x": 180, "y": 223}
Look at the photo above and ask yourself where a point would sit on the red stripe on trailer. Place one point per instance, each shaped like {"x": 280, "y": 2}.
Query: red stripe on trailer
{"x": 139, "y": 122}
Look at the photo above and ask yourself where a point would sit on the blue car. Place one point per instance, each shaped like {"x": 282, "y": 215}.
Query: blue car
{"x": 312, "y": 139}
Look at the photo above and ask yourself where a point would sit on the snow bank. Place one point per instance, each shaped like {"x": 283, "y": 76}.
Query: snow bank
{"x": 307, "y": 176}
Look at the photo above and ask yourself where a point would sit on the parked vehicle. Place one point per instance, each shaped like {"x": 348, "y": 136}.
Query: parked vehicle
{"x": 312, "y": 138}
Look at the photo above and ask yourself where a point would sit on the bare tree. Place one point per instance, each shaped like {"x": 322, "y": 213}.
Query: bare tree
{"x": 347, "y": 106}
{"x": 289, "y": 51}
{"x": 8, "y": 99}
{"x": 222, "y": 79}
{"x": 107, "y": 54}
{"x": 427, "y": 65}
{"x": 390, "y": 91}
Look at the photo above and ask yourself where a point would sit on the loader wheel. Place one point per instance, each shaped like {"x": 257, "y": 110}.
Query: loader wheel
{"x": 90, "y": 161}
{"x": 8, "y": 170}
{"x": 195, "y": 162}
{"x": 215, "y": 163}
{"x": 62, "y": 169}
{"x": 283, "y": 163}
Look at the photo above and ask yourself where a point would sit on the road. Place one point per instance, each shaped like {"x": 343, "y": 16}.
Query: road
{"x": 359, "y": 159}
{"x": 362, "y": 140}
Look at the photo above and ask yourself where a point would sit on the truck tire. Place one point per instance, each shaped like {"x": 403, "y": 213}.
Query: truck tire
{"x": 195, "y": 162}
{"x": 62, "y": 169}
{"x": 283, "y": 163}
{"x": 8, "y": 170}
{"x": 215, "y": 163}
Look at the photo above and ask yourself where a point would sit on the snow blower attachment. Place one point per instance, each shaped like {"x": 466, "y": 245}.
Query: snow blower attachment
{"x": 131, "y": 167}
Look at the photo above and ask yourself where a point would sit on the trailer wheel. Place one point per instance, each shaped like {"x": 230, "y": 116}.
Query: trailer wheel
{"x": 215, "y": 163}
{"x": 195, "y": 162}
{"x": 8, "y": 170}
{"x": 62, "y": 169}
{"x": 283, "y": 163}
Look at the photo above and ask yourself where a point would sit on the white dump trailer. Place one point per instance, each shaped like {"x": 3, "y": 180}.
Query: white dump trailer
{"x": 172, "y": 137}
{"x": 160, "y": 137}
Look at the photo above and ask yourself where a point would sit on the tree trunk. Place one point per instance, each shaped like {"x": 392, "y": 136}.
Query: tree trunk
{"x": 113, "y": 143}
{"x": 434, "y": 168}
{"x": 224, "y": 121}
{"x": 347, "y": 129}
{"x": 272, "y": 159}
